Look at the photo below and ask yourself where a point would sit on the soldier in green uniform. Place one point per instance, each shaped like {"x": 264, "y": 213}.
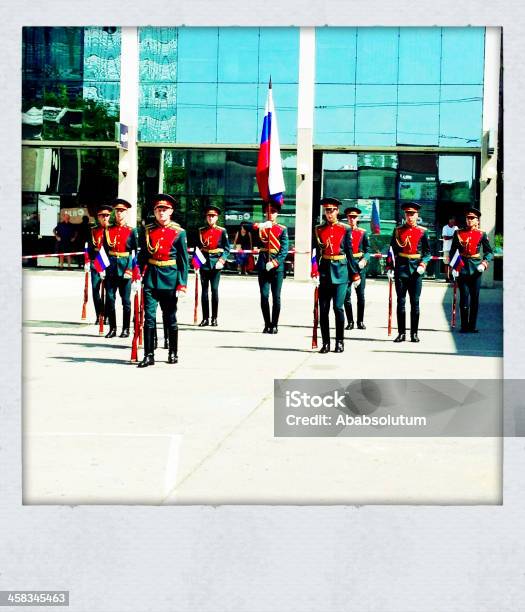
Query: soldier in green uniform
{"x": 272, "y": 241}
{"x": 470, "y": 242}
{"x": 120, "y": 240}
{"x": 163, "y": 260}
{"x": 336, "y": 267}
{"x": 412, "y": 254}
{"x": 215, "y": 247}
{"x": 360, "y": 257}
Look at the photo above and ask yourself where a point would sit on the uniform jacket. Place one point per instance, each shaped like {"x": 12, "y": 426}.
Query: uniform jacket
{"x": 214, "y": 245}
{"x": 164, "y": 250}
{"x": 474, "y": 248}
{"x": 411, "y": 249}
{"x": 277, "y": 238}
{"x": 119, "y": 242}
{"x": 334, "y": 253}
{"x": 95, "y": 241}
{"x": 360, "y": 249}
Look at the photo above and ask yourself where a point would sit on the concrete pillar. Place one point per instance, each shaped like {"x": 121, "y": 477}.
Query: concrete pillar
{"x": 489, "y": 159}
{"x": 304, "y": 177}
{"x": 129, "y": 109}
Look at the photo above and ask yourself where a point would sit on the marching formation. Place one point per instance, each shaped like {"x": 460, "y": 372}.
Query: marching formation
{"x": 152, "y": 267}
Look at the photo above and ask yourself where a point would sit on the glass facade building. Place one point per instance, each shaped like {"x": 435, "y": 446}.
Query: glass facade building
{"x": 397, "y": 116}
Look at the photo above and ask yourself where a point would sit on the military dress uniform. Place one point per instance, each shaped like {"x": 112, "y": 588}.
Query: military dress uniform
{"x": 412, "y": 251}
{"x": 475, "y": 251}
{"x": 163, "y": 260}
{"x": 360, "y": 253}
{"x": 273, "y": 248}
{"x": 215, "y": 247}
{"x": 96, "y": 239}
{"x": 336, "y": 269}
{"x": 119, "y": 242}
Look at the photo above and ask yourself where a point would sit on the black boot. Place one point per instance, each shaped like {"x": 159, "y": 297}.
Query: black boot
{"x": 325, "y": 348}
{"x": 360, "y": 315}
{"x": 350, "y": 325}
{"x": 166, "y": 334}
{"x": 213, "y": 322}
{"x": 112, "y": 318}
{"x": 400, "y": 337}
{"x": 472, "y": 318}
{"x": 349, "y": 316}
{"x": 339, "y": 346}
{"x": 204, "y": 323}
{"x": 149, "y": 356}
{"x": 464, "y": 320}
{"x": 361, "y": 325}
{"x": 401, "y": 326}
{"x": 274, "y": 329}
{"x": 125, "y": 325}
{"x": 174, "y": 345}
{"x": 414, "y": 326}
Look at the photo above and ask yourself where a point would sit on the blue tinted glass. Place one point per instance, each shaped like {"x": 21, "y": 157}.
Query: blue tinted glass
{"x": 377, "y": 50}
{"x": 101, "y": 54}
{"x": 157, "y": 119}
{"x": 237, "y": 114}
{"x": 419, "y": 55}
{"x": 285, "y": 102}
{"x": 158, "y": 54}
{"x": 335, "y": 55}
{"x": 279, "y": 55}
{"x": 460, "y": 115}
{"x": 198, "y": 55}
{"x": 238, "y": 55}
{"x": 334, "y": 114}
{"x": 196, "y": 112}
{"x": 418, "y": 115}
{"x": 375, "y": 115}
{"x": 463, "y": 55}
{"x": 456, "y": 177}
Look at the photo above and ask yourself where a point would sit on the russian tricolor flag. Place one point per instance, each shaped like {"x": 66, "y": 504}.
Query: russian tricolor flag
{"x": 375, "y": 219}
{"x": 456, "y": 263}
{"x": 135, "y": 269}
{"x": 390, "y": 259}
{"x": 315, "y": 268}
{"x": 269, "y": 171}
{"x": 86, "y": 253}
{"x": 198, "y": 258}
{"x": 101, "y": 260}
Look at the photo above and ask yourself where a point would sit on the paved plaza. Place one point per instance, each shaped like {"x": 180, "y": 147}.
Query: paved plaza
{"x": 99, "y": 430}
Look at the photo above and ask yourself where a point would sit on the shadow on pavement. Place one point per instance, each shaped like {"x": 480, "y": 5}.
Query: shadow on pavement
{"x": 266, "y": 348}
{"x": 91, "y": 360}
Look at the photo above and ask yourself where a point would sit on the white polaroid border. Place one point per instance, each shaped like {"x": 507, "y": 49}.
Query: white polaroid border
{"x": 380, "y": 558}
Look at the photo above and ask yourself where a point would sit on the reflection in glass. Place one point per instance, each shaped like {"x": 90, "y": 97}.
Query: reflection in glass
{"x": 377, "y": 55}
{"x": 460, "y": 115}
{"x": 157, "y": 54}
{"x": 238, "y": 55}
{"x": 157, "y": 121}
{"x": 462, "y": 56}
{"x": 335, "y": 55}
{"x": 456, "y": 177}
{"x": 375, "y": 115}
{"x": 340, "y": 175}
{"x": 418, "y": 115}
{"x": 237, "y": 113}
{"x": 197, "y": 55}
{"x": 334, "y": 122}
{"x": 197, "y": 113}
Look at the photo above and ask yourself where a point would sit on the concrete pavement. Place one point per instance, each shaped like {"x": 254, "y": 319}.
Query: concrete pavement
{"x": 99, "y": 430}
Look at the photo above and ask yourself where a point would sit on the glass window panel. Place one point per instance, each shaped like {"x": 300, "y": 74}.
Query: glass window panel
{"x": 102, "y": 54}
{"x": 377, "y": 175}
{"x": 418, "y": 115}
{"x": 238, "y": 55}
{"x": 206, "y": 173}
{"x": 279, "y": 55}
{"x": 285, "y": 102}
{"x": 375, "y": 115}
{"x": 240, "y": 174}
{"x": 237, "y": 114}
{"x": 158, "y": 54}
{"x": 196, "y": 113}
{"x": 463, "y": 55}
{"x": 456, "y": 178}
{"x": 418, "y": 177}
{"x": 334, "y": 114}
{"x": 340, "y": 175}
{"x": 157, "y": 119}
{"x": 335, "y": 55}
{"x": 419, "y": 55}
{"x": 377, "y": 50}
{"x": 461, "y": 111}
{"x": 197, "y": 55}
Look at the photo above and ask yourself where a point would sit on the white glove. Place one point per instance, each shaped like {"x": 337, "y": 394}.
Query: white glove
{"x": 181, "y": 294}
{"x": 87, "y": 267}
{"x": 420, "y": 269}
{"x": 269, "y": 266}
{"x": 136, "y": 285}
{"x": 265, "y": 225}
{"x": 356, "y": 283}
{"x": 390, "y": 274}
{"x": 219, "y": 265}
{"x": 315, "y": 280}
{"x": 455, "y": 273}
{"x": 362, "y": 263}
{"x": 446, "y": 259}
{"x": 102, "y": 274}
{"x": 481, "y": 268}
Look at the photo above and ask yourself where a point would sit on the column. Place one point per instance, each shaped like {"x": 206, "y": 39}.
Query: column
{"x": 129, "y": 105}
{"x": 488, "y": 182}
{"x": 304, "y": 178}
